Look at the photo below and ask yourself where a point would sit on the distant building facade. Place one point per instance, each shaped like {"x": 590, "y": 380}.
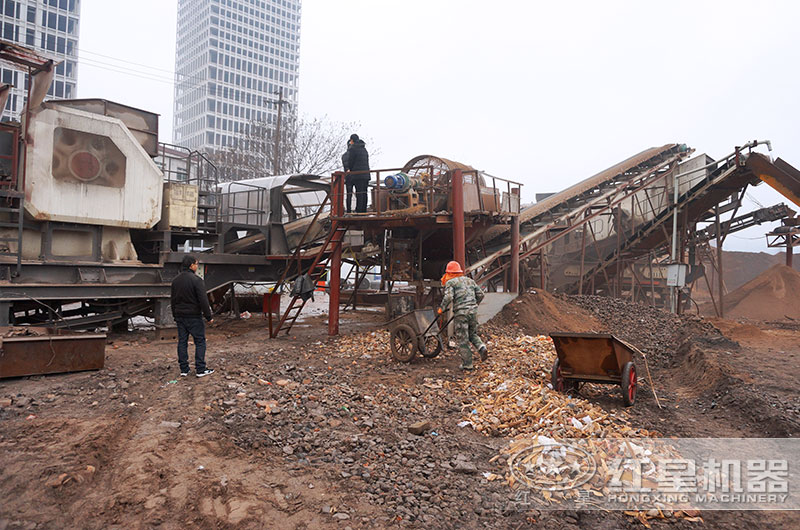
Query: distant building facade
{"x": 232, "y": 57}
{"x": 50, "y": 27}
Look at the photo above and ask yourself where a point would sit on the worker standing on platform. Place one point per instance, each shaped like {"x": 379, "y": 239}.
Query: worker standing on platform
{"x": 348, "y": 180}
{"x": 356, "y": 160}
{"x": 465, "y": 295}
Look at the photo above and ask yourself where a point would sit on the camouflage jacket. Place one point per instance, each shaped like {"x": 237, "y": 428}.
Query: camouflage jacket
{"x": 463, "y": 293}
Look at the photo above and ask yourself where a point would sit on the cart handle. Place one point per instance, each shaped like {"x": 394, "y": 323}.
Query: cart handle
{"x": 434, "y": 322}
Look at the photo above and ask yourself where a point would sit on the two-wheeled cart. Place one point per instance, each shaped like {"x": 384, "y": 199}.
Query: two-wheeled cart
{"x": 415, "y": 332}
{"x": 594, "y": 358}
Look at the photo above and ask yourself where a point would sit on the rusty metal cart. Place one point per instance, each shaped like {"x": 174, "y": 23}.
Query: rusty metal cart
{"x": 594, "y": 358}
{"x": 414, "y": 332}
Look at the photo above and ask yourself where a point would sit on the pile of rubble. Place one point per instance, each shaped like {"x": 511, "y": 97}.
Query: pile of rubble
{"x": 656, "y": 332}
{"x": 513, "y": 395}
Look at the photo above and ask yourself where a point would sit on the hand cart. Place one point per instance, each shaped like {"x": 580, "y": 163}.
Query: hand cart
{"x": 414, "y": 332}
{"x": 594, "y": 358}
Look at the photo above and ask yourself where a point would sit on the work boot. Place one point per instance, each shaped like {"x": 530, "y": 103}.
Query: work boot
{"x": 484, "y": 353}
{"x": 467, "y": 368}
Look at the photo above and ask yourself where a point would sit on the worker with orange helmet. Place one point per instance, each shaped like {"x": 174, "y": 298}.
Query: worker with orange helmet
{"x": 465, "y": 295}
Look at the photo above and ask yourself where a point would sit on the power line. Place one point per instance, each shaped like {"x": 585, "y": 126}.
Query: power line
{"x": 218, "y": 91}
{"x": 126, "y": 61}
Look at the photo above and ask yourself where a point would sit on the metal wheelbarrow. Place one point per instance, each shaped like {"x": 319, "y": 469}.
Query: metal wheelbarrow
{"x": 594, "y": 358}
{"x": 415, "y": 332}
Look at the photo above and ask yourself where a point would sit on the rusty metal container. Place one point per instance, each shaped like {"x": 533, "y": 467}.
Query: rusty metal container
{"x": 37, "y": 351}
{"x": 179, "y": 206}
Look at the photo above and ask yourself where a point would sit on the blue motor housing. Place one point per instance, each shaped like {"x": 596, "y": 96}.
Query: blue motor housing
{"x": 400, "y": 182}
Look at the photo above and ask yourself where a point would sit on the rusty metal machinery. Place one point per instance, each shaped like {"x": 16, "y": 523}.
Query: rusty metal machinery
{"x": 97, "y": 215}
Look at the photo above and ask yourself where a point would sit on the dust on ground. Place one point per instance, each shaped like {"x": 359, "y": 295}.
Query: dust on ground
{"x": 310, "y": 432}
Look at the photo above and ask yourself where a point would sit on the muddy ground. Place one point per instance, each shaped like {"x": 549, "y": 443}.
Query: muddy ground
{"x": 300, "y": 432}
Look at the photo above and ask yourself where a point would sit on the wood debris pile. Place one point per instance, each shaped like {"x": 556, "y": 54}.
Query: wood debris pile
{"x": 596, "y": 472}
{"x": 514, "y": 397}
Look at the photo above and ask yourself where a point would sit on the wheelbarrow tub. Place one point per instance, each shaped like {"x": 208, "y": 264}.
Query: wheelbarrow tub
{"x": 592, "y": 357}
{"x": 419, "y": 320}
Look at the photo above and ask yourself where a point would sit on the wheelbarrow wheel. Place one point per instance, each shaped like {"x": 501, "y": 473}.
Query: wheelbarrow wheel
{"x": 629, "y": 384}
{"x": 557, "y": 379}
{"x": 403, "y": 343}
{"x": 430, "y": 346}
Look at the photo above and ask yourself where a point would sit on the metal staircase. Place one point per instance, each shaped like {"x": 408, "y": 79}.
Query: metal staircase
{"x": 315, "y": 272}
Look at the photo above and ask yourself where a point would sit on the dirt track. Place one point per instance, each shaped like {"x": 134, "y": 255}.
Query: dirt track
{"x": 296, "y": 433}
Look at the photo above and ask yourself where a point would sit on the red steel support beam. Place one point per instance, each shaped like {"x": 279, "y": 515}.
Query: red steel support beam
{"x": 337, "y": 210}
{"x": 459, "y": 238}
{"x": 514, "y": 254}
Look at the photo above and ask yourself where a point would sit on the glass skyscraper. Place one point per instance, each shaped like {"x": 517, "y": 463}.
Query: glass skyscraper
{"x": 50, "y": 27}
{"x": 231, "y": 59}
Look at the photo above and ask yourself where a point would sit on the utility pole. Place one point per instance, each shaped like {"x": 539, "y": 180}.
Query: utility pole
{"x": 276, "y": 166}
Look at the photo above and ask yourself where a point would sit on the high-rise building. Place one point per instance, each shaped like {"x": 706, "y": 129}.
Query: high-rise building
{"x": 232, "y": 57}
{"x": 50, "y": 27}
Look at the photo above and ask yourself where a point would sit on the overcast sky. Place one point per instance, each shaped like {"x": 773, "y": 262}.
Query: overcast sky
{"x": 546, "y": 93}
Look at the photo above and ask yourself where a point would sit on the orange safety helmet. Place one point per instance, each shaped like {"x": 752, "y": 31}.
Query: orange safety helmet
{"x": 454, "y": 267}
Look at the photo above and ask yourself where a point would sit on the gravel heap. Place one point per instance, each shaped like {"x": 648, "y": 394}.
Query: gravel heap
{"x": 656, "y": 332}
{"x": 358, "y": 431}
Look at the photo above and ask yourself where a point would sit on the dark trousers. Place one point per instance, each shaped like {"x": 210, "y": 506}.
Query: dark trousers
{"x": 196, "y": 327}
{"x": 361, "y": 186}
{"x": 349, "y": 185}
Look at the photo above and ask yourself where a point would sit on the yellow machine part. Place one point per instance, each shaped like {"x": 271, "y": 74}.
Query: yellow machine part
{"x": 779, "y": 175}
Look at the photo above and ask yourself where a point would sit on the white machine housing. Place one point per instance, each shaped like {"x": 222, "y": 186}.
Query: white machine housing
{"x": 88, "y": 168}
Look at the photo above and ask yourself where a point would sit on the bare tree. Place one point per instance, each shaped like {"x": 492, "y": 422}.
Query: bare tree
{"x": 307, "y": 145}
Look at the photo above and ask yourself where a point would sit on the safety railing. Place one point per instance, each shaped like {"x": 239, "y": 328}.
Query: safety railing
{"x": 244, "y": 205}
{"x": 433, "y": 192}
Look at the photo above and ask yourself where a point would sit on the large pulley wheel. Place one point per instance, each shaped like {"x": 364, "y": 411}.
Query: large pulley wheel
{"x": 403, "y": 342}
{"x": 629, "y": 383}
{"x": 430, "y": 346}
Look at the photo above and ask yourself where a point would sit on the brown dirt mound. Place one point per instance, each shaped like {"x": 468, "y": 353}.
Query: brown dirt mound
{"x": 770, "y": 296}
{"x": 538, "y": 312}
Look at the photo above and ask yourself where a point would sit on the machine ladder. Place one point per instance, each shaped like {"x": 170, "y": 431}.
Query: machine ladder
{"x": 316, "y": 272}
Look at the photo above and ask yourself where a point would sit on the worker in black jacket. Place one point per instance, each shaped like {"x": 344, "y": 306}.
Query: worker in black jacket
{"x": 189, "y": 306}
{"x": 348, "y": 180}
{"x": 356, "y": 161}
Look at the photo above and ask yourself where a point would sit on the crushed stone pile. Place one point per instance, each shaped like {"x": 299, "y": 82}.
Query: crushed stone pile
{"x": 770, "y": 296}
{"x": 656, "y": 332}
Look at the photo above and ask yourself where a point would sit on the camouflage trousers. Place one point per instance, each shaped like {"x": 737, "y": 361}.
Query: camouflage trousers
{"x": 466, "y": 332}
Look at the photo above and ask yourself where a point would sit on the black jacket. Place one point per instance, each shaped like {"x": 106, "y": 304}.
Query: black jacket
{"x": 189, "y": 298}
{"x": 357, "y": 159}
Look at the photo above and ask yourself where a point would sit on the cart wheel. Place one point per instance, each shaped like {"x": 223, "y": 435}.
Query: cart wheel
{"x": 629, "y": 384}
{"x": 559, "y": 384}
{"x": 404, "y": 343}
{"x": 430, "y": 346}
